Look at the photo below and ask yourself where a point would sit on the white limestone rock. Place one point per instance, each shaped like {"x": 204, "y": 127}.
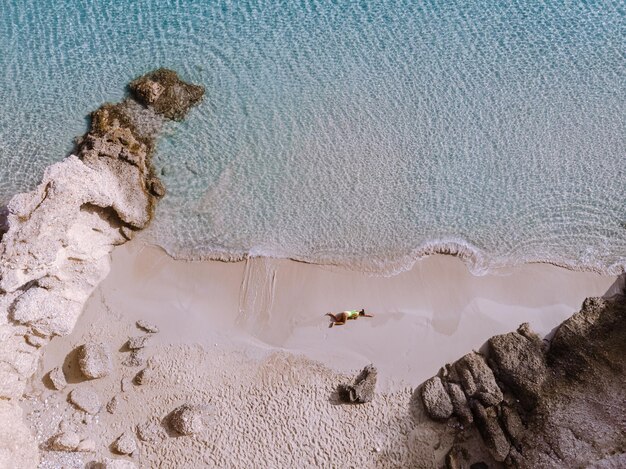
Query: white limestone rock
{"x": 85, "y": 399}
{"x": 57, "y": 377}
{"x": 94, "y": 360}
{"x": 66, "y": 441}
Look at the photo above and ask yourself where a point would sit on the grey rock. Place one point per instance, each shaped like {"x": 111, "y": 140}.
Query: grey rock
{"x": 137, "y": 342}
{"x": 57, "y": 378}
{"x": 126, "y": 384}
{"x": 94, "y": 360}
{"x": 520, "y": 364}
{"x": 86, "y": 399}
{"x": 512, "y": 424}
{"x": 147, "y": 326}
{"x": 186, "y": 420}
{"x": 436, "y": 400}
{"x": 486, "y": 420}
{"x": 135, "y": 359}
{"x": 151, "y": 431}
{"x": 460, "y": 404}
{"x": 363, "y": 388}
{"x": 66, "y": 441}
{"x": 125, "y": 444}
{"x": 478, "y": 380}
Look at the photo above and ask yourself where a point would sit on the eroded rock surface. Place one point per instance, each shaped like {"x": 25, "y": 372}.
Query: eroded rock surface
{"x": 544, "y": 405}
{"x": 94, "y": 360}
{"x": 363, "y": 388}
{"x": 56, "y": 240}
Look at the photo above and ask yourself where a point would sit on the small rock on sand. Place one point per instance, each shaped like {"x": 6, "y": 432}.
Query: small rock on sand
{"x": 125, "y": 444}
{"x": 86, "y": 446}
{"x": 126, "y": 384}
{"x": 151, "y": 431}
{"x": 135, "y": 359}
{"x": 137, "y": 342}
{"x": 112, "y": 405}
{"x": 148, "y": 327}
{"x": 66, "y": 441}
{"x": 186, "y": 420}
{"x": 144, "y": 376}
{"x": 94, "y": 360}
{"x": 57, "y": 378}
{"x": 85, "y": 399}
{"x": 118, "y": 464}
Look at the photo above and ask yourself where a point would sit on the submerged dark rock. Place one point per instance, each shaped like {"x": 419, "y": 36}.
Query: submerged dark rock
{"x": 538, "y": 405}
{"x": 363, "y": 388}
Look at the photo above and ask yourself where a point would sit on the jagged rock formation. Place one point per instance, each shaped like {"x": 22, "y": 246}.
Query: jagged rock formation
{"x": 56, "y": 240}
{"x": 538, "y": 404}
{"x": 363, "y": 388}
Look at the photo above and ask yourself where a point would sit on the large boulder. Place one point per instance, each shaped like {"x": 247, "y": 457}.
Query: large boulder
{"x": 436, "y": 400}
{"x": 478, "y": 380}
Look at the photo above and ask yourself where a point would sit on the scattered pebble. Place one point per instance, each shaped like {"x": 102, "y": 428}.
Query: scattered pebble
{"x": 125, "y": 444}
{"x": 36, "y": 341}
{"x": 94, "y": 360}
{"x": 137, "y": 342}
{"x": 87, "y": 446}
{"x": 186, "y": 420}
{"x": 85, "y": 399}
{"x": 57, "y": 377}
{"x": 66, "y": 441}
{"x": 135, "y": 359}
{"x": 144, "y": 376}
{"x": 148, "y": 327}
{"x": 126, "y": 384}
{"x": 112, "y": 405}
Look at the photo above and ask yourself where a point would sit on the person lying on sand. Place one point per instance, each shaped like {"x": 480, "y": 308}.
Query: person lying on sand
{"x": 341, "y": 318}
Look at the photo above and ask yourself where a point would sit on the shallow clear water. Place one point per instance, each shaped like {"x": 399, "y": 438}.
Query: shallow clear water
{"x": 358, "y": 133}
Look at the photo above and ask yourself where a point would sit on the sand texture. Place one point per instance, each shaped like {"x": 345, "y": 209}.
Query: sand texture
{"x": 250, "y": 348}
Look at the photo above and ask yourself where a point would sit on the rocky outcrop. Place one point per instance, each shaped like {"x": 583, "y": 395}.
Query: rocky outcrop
{"x": 539, "y": 404}
{"x": 56, "y": 240}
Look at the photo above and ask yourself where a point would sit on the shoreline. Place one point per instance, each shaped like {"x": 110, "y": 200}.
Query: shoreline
{"x": 272, "y": 304}
{"x": 232, "y": 335}
{"x": 470, "y": 255}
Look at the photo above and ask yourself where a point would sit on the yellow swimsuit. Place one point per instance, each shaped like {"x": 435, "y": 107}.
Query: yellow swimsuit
{"x": 352, "y": 314}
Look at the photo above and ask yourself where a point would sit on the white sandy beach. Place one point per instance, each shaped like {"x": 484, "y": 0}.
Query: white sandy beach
{"x": 250, "y": 341}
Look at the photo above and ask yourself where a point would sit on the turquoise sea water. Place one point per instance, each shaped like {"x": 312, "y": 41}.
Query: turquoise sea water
{"x": 358, "y": 133}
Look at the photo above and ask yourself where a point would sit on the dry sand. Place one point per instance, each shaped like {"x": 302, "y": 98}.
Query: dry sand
{"x": 249, "y": 341}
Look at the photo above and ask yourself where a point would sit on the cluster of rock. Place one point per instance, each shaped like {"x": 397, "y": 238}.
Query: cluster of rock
{"x": 95, "y": 361}
{"x": 557, "y": 403}
{"x": 56, "y": 240}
